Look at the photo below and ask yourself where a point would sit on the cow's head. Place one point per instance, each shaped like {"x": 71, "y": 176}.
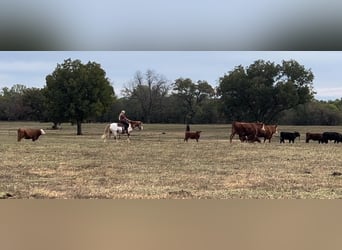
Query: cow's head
{"x": 261, "y": 126}
{"x": 42, "y": 131}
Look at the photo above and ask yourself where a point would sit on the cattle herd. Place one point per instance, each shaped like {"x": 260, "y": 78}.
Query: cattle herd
{"x": 247, "y": 132}
{"x": 251, "y": 132}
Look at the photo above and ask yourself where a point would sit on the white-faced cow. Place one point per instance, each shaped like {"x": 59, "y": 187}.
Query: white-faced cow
{"x": 30, "y": 133}
{"x": 268, "y": 132}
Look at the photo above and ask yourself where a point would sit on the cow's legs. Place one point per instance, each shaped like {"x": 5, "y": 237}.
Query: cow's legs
{"x": 231, "y": 137}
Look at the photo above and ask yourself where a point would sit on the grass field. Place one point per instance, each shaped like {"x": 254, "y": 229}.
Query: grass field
{"x": 158, "y": 164}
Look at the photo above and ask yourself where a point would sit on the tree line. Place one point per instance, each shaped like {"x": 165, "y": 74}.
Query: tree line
{"x": 263, "y": 91}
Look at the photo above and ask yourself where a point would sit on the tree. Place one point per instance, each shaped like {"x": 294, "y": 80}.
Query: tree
{"x": 263, "y": 90}
{"x": 11, "y": 105}
{"x": 313, "y": 113}
{"x": 192, "y": 96}
{"x": 33, "y": 101}
{"x": 148, "y": 91}
{"x": 77, "y": 92}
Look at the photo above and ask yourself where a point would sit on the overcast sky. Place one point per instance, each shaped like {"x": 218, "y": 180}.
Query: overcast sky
{"x": 30, "y": 68}
{"x": 201, "y": 40}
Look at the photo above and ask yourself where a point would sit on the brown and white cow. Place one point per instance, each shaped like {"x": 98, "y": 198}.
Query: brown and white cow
{"x": 30, "y": 133}
{"x": 268, "y": 132}
{"x": 247, "y": 130}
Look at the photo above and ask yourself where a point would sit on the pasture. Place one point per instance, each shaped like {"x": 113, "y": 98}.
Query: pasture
{"x": 158, "y": 164}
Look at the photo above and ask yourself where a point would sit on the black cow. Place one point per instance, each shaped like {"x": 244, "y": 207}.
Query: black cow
{"x": 331, "y": 136}
{"x": 288, "y": 136}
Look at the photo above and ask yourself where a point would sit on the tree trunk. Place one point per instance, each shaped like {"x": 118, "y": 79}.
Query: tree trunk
{"x": 55, "y": 125}
{"x": 79, "y": 128}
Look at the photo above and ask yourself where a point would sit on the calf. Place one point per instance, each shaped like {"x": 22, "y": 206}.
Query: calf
{"x": 30, "y": 133}
{"x": 192, "y": 135}
{"x": 314, "y": 136}
{"x": 288, "y": 136}
{"x": 331, "y": 136}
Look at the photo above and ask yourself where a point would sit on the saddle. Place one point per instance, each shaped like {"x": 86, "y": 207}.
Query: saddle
{"x": 123, "y": 127}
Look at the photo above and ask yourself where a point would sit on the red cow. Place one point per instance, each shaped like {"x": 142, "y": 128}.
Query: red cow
{"x": 30, "y": 133}
{"x": 191, "y": 135}
{"x": 268, "y": 132}
{"x": 246, "y": 130}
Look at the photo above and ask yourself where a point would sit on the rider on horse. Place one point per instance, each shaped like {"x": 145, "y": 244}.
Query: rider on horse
{"x": 124, "y": 120}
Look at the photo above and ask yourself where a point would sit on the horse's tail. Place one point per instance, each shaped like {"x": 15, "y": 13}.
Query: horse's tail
{"x": 106, "y": 132}
{"x": 187, "y": 127}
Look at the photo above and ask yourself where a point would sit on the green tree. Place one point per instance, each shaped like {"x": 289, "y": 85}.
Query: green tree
{"x": 12, "y": 107}
{"x": 77, "y": 92}
{"x": 33, "y": 101}
{"x": 263, "y": 90}
{"x": 192, "y": 96}
{"x": 313, "y": 113}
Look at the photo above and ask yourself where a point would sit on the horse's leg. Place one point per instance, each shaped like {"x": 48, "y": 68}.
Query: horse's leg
{"x": 128, "y": 137}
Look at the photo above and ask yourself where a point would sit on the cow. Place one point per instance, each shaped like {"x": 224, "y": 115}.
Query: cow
{"x": 246, "y": 131}
{"x": 288, "y": 136}
{"x": 331, "y": 136}
{"x": 30, "y": 133}
{"x": 191, "y": 135}
{"x": 268, "y": 132}
{"x": 314, "y": 136}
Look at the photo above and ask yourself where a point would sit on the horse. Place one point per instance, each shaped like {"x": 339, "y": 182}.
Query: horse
{"x": 136, "y": 124}
{"x": 114, "y": 129}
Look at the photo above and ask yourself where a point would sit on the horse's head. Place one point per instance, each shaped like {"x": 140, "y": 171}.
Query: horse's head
{"x": 137, "y": 124}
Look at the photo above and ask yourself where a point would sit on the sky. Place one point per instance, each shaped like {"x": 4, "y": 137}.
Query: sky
{"x": 201, "y": 40}
{"x": 31, "y": 67}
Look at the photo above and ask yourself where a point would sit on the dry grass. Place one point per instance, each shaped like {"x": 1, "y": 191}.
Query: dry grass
{"x": 158, "y": 164}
